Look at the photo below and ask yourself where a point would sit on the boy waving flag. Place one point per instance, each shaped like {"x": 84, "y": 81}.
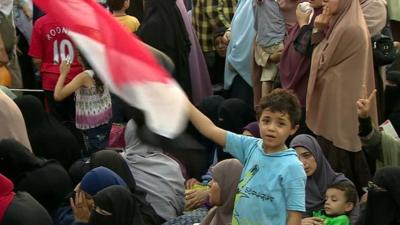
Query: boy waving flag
{"x": 123, "y": 63}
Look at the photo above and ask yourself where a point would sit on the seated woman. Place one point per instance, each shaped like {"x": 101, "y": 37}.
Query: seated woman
{"x": 115, "y": 205}
{"x": 115, "y": 162}
{"x": 20, "y": 208}
{"x": 46, "y": 180}
{"x": 226, "y": 175}
{"x": 383, "y": 199}
{"x": 320, "y": 176}
{"x": 156, "y": 173}
{"x": 48, "y": 137}
{"x": 252, "y": 129}
{"x": 81, "y": 202}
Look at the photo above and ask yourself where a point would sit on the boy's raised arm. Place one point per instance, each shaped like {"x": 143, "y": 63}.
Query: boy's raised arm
{"x": 205, "y": 126}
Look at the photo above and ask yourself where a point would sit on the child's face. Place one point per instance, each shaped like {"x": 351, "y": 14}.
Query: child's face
{"x": 220, "y": 46}
{"x": 336, "y": 203}
{"x": 333, "y": 5}
{"x": 275, "y": 128}
{"x": 308, "y": 160}
{"x": 126, "y": 5}
{"x": 215, "y": 193}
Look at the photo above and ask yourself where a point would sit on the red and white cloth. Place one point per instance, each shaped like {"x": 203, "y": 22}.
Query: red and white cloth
{"x": 123, "y": 63}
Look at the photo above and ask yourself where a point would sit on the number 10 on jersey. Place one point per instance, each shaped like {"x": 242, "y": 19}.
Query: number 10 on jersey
{"x": 62, "y": 50}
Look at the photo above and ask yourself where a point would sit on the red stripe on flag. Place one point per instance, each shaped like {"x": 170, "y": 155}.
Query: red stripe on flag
{"x": 123, "y": 63}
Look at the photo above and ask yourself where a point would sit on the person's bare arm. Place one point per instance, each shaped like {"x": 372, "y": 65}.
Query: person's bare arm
{"x": 27, "y": 11}
{"x": 312, "y": 221}
{"x": 294, "y": 218}
{"x": 37, "y": 62}
{"x": 206, "y": 127}
{"x": 61, "y": 90}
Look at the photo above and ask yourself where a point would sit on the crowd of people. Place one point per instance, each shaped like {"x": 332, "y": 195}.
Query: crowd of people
{"x": 293, "y": 109}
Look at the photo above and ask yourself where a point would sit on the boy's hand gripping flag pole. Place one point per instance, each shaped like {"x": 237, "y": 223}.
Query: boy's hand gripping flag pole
{"x": 123, "y": 63}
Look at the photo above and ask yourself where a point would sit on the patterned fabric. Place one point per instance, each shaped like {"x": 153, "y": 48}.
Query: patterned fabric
{"x": 92, "y": 108}
{"x": 189, "y": 218}
{"x": 208, "y": 16}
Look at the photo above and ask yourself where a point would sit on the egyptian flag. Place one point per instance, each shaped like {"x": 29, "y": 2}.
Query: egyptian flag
{"x": 123, "y": 63}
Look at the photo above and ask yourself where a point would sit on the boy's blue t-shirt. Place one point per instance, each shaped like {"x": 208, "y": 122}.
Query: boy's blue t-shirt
{"x": 270, "y": 184}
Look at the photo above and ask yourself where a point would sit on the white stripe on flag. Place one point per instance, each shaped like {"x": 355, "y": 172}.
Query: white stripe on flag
{"x": 162, "y": 103}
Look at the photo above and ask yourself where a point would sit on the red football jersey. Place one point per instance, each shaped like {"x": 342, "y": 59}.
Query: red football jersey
{"x": 50, "y": 43}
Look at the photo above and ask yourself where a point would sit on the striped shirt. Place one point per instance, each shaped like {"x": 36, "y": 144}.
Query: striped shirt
{"x": 208, "y": 16}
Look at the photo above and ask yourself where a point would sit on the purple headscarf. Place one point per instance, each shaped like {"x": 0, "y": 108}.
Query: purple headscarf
{"x": 253, "y": 128}
{"x": 323, "y": 176}
{"x": 200, "y": 79}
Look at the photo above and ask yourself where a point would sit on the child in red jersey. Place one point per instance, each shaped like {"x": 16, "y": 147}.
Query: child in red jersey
{"x": 50, "y": 45}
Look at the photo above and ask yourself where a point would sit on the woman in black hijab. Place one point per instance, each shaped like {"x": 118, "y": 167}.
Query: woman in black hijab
{"x": 163, "y": 28}
{"x": 383, "y": 201}
{"x": 46, "y": 180}
{"x": 49, "y": 139}
{"x": 20, "y": 208}
{"x": 233, "y": 115}
{"x": 115, "y": 162}
{"x": 115, "y": 205}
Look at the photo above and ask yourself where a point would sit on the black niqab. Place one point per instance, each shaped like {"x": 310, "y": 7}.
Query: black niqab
{"x": 115, "y": 162}
{"x": 117, "y": 201}
{"x": 48, "y": 137}
{"x": 383, "y": 207}
{"x": 46, "y": 180}
{"x": 163, "y": 28}
{"x": 16, "y": 160}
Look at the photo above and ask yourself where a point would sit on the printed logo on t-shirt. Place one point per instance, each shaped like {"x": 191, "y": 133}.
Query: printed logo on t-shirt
{"x": 242, "y": 194}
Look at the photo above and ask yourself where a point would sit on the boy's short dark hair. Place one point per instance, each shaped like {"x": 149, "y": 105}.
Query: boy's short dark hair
{"x": 280, "y": 100}
{"x": 115, "y": 4}
{"x": 349, "y": 190}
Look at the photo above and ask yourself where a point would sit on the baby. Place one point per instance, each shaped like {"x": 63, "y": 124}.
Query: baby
{"x": 340, "y": 199}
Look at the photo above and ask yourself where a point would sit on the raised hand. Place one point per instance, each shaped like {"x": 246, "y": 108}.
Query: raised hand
{"x": 302, "y": 17}
{"x": 364, "y": 103}
{"x": 322, "y": 20}
{"x": 312, "y": 221}
{"x": 191, "y": 182}
{"x": 227, "y": 37}
{"x": 195, "y": 198}
{"x": 80, "y": 208}
{"x": 65, "y": 66}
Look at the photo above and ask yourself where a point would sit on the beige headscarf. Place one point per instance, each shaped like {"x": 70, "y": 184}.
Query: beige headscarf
{"x": 375, "y": 15}
{"x": 340, "y": 65}
{"x": 227, "y": 174}
{"x": 12, "y": 124}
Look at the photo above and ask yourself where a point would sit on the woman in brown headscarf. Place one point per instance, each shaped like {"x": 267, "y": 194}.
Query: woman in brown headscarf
{"x": 226, "y": 175}
{"x": 11, "y": 121}
{"x": 341, "y": 65}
